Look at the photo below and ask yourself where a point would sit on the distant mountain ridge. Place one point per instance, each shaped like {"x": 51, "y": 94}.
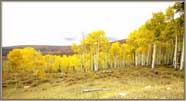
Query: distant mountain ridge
{"x": 47, "y": 49}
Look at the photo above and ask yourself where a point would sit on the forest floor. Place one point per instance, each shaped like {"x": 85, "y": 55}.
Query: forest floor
{"x": 120, "y": 83}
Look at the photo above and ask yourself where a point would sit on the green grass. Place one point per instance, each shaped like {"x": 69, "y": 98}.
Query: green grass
{"x": 164, "y": 82}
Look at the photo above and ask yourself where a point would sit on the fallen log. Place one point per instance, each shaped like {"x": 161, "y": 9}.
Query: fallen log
{"x": 94, "y": 89}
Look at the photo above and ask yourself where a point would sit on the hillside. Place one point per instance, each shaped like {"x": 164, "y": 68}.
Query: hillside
{"x": 47, "y": 49}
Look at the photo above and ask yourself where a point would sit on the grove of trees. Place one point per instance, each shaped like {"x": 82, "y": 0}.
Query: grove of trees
{"x": 159, "y": 41}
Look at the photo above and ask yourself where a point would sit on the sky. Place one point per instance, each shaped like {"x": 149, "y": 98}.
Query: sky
{"x": 62, "y": 23}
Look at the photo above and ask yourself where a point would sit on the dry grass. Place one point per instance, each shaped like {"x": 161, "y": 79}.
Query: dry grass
{"x": 122, "y": 83}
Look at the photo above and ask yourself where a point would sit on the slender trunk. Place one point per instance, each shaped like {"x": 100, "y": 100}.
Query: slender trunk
{"x": 168, "y": 56}
{"x": 82, "y": 54}
{"x": 95, "y": 65}
{"x": 168, "y": 53}
{"x": 136, "y": 59}
{"x": 124, "y": 59}
{"x": 106, "y": 61}
{"x": 81, "y": 66}
{"x": 119, "y": 63}
{"x": 143, "y": 59}
{"x": 81, "y": 58}
{"x": 148, "y": 55}
{"x": 123, "y": 63}
{"x": 115, "y": 62}
{"x": 175, "y": 52}
{"x": 97, "y": 57}
{"x": 182, "y": 57}
{"x": 111, "y": 61}
{"x": 151, "y": 52}
{"x": 140, "y": 59}
{"x": 154, "y": 56}
{"x": 172, "y": 54}
{"x": 159, "y": 59}
{"x": 92, "y": 61}
{"x": 164, "y": 55}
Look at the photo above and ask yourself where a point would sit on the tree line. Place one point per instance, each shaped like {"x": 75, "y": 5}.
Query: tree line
{"x": 158, "y": 41}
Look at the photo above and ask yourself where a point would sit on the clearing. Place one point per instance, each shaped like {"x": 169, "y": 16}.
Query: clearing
{"x": 120, "y": 83}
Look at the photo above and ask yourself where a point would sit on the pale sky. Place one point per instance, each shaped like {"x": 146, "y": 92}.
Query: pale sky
{"x": 62, "y": 23}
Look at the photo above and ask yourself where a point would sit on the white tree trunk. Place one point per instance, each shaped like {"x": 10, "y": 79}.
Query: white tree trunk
{"x": 95, "y": 64}
{"x": 166, "y": 56}
{"x": 171, "y": 56}
{"x": 97, "y": 57}
{"x": 160, "y": 58}
{"x": 148, "y": 56}
{"x": 154, "y": 56}
{"x": 82, "y": 61}
{"x": 182, "y": 57}
{"x": 168, "y": 59}
{"x": 115, "y": 62}
{"x": 136, "y": 59}
{"x": 175, "y": 53}
{"x": 140, "y": 59}
{"x": 106, "y": 61}
{"x": 143, "y": 59}
{"x": 92, "y": 62}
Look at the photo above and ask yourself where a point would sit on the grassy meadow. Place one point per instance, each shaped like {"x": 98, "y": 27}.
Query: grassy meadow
{"x": 120, "y": 83}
